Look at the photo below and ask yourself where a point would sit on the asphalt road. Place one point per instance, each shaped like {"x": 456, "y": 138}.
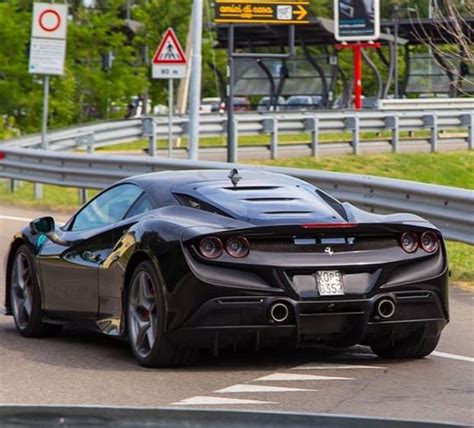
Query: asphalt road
{"x": 85, "y": 368}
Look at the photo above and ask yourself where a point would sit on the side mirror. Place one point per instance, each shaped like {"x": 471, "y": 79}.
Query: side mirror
{"x": 45, "y": 225}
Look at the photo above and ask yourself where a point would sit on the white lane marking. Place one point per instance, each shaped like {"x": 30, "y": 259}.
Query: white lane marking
{"x": 201, "y": 401}
{"x": 452, "y": 356}
{"x": 337, "y": 367}
{"x": 293, "y": 376}
{"x": 8, "y": 217}
{"x": 260, "y": 388}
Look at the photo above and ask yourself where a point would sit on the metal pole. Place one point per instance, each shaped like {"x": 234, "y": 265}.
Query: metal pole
{"x": 44, "y": 122}
{"x": 170, "y": 117}
{"x": 357, "y": 77}
{"x": 396, "y": 30}
{"x": 231, "y": 155}
{"x": 127, "y": 13}
{"x": 195, "y": 92}
{"x": 38, "y": 188}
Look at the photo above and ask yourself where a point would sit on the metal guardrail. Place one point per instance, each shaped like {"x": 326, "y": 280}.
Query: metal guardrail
{"x": 451, "y": 209}
{"x": 81, "y": 416}
{"x": 312, "y": 123}
{"x": 426, "y": 104}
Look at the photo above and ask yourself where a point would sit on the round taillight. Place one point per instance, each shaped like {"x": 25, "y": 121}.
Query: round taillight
{"x": 2, "y": 155}
{"x": 409, "y": 242}
{"x": 211, "y": 247}
{"x": 237, "y": 247}
{"x": 429, "y": 242}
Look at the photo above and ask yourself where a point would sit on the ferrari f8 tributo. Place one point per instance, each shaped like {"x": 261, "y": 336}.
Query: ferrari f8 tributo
{"x": 181, "y": 261}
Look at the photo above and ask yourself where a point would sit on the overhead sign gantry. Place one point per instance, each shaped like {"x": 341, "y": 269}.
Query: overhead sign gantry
{"x": 283, "y": 12}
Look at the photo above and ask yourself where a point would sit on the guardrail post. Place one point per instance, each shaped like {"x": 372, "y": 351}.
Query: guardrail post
{"x": 38, "y": 191}
{"x": 353, "y": 124}
{"x": 270, "y": 126}
{"x": 432, "y": 122}
{"x": 87, "y": 140}
{"x": 312, "y": 125}
{"x": 13, "y": 185}
{"x": 467, "y": 120}
{"x": 393, "y": 122}
{"x": 149, "y": 130}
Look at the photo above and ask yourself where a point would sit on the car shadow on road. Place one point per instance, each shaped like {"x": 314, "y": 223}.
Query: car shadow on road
{"x": 75, "y": 348}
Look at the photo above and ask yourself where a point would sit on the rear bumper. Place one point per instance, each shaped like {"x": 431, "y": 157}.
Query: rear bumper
{"x": 341, "y": 322}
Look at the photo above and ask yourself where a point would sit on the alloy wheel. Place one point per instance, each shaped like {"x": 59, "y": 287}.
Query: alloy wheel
{"x": 22, "y": 290}
{"x": 143, "y": 317}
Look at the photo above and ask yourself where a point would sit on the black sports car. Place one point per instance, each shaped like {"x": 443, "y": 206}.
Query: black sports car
{"x": 180, "y": 261}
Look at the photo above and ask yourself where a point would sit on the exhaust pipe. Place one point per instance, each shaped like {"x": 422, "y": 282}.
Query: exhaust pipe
{"x": 279, "y": 312}
{"x": 385, "y": 308}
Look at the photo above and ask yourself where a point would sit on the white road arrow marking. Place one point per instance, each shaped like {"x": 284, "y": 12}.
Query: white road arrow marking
{"x": 260, "y": 388}
{"x": 202, "y": 401}
{"x": 294, "y": 376}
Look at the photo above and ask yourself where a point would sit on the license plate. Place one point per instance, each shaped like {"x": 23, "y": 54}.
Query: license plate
{"x": 330, "y": 283}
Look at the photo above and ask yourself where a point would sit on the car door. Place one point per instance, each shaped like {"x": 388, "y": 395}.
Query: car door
{"x": 70, "y": 274}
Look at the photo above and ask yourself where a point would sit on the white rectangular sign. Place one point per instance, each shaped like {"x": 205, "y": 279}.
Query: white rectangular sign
{"x": 49, "y": 21}
{"x": 47, "y": 56}
{"x": 168, "y": 71}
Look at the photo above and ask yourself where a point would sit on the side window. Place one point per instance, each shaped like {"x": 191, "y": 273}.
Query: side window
{"x": 142, "y": 205}
{"x": 108, "y": 208}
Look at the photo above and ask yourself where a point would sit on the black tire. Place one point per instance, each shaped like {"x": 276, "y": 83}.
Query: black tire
{"x": 28, "y": 315}
{"x": 413, "y": 346}
{"x": 152, "y": 312}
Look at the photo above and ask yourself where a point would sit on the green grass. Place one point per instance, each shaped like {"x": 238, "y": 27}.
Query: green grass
{"x": 461, "y": 262}
{"x": 450, "y": 169}
{"x": 55, "y": 198}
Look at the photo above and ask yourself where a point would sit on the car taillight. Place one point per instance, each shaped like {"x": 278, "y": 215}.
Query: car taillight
{"x": 429, "y": 242}
{"x": 211, "y": 247}
{"x": 237, "y": 247}
{"x": 409, "y": 242}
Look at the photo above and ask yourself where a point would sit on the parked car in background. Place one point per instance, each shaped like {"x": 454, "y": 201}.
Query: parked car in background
{"x": 264, "y": 104}
{"x": 212, "y": 105}
{"x": 240, "y": 104}
{"x": 370, "y": 103}
{"x": 303, "y": 102}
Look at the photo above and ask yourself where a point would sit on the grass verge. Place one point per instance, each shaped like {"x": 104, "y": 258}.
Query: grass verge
{"x": 450, "y": 169}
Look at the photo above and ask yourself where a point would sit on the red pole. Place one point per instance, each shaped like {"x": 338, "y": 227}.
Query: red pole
{"x": 357, "y": 49}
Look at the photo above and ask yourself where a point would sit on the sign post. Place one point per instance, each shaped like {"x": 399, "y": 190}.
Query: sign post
{"x": 169, "y": 62}
{"x": 47, "y": 54}
{"x": 284, "y": 12}
{"x": 357, "y": 21}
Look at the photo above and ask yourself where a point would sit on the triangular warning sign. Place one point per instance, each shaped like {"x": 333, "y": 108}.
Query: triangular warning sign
{"x": 170, "y": 50}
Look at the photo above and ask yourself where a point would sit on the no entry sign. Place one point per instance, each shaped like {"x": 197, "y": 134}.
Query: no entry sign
{"x": 49, "y": 21}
